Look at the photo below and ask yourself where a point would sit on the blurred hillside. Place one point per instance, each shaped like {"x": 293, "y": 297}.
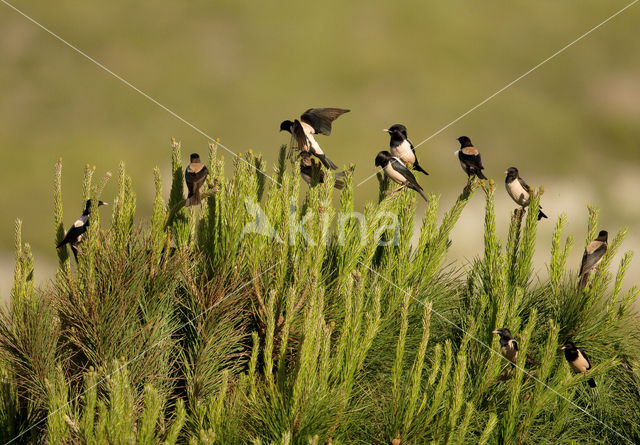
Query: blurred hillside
{"x": 236, "y": 69}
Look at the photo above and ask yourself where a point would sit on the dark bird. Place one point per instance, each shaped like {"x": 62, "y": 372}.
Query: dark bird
{"x": 578, "y": 360}
{"x": 470, "y": 159}
{"x": 398, "y": 172}
{"x": 402, "y": 148}
{"x": 310, "y": 170}
{"x": 519, "y": 190}
{"x": 313, "y": 121}
{"x": 592, "y": 256}
{"x": 508, "y": 346}
{"x": 195, "y": 175}
{"x": 76, "y": 232}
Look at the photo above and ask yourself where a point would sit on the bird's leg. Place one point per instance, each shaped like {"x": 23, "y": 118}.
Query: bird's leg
{"x": 396, "y": 190}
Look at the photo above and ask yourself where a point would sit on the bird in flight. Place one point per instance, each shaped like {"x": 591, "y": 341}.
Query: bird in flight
{"x": 313, "y": 121}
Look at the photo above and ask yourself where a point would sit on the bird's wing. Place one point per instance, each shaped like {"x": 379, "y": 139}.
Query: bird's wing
{"x": 195, "y": 180}
{"x": 524, "y": 184}
{"x": 471, "y": 159}
{"x": 299, "y": 137}
{"x": 71, "y": 235}
{"x": 404, "y": 171}
{"x": 592, "y": 254}
{"x": 413, "y": 149}
{"x": 321, "y": 118}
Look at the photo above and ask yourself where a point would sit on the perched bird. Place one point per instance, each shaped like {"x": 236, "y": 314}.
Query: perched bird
{"x": 508, "y": 346}
{"x": 519, "y": 190}
{"x": 470, "y": 159}
{"x": 592, "y": 256}
{"x": 76, "y": 232}
{"x": 398, "y": 172}
{"x": 578, "y": 360}
{"x": 313, "y": 121}
{"x": 402, "y": 148}
{"x": 310, "y": 169}
{"x": 195, "y": 175}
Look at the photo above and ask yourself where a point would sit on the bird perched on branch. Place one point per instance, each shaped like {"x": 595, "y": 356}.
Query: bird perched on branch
{"x": 398, "y": 172}
{"x": 313, "y": 121}
{"x": 578, "y": 360}
{"x": 76, "y": 232}
{"x": 519, "y": 191}
{"x": 195, "y": 175}
{"x": 593, "y": 254}
{"x": 470, "y": 159}
{"x": 402, "y": 148}
{"x": 310, "y": 169}
{"x": 508, "y": 346}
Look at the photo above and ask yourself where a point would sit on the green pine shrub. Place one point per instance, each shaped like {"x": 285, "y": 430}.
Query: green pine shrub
{"x": 317, "y": 325}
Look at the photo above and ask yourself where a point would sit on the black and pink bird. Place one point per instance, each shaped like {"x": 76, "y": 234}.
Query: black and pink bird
{"x": 313, "y": 121}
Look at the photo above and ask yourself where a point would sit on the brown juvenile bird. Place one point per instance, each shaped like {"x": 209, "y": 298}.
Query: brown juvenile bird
{"x": 578, "y": 360}
{"x": 470, "y": 159}
{"x": 194, "y": 176}
{"x": 309, "y": 169}
{"x": 313, "y": 121}
{"x": 592, "y": 256}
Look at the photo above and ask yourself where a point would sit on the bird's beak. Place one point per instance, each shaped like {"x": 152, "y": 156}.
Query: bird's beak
{"x": 105, "y": 203}
{"x": 506, "y": 172}
{"x": 385, "y": 129}
{"x": 495, "y": 332}
{"x": 563, "y": 348}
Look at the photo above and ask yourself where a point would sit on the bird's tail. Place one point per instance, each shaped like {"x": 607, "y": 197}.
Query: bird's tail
{"x": 584, "y": 279}
{"x": 481, "y": 175}
{"x": 60, "y": 244}
{"x": 417, "y": 167}
{"x": 194, "y": 199}
{"x": 74, "y": 249}
{"x": 592, "y": 383}
{"x": 327, "y": 162}
{"x": 541, "y": 215}
{"x": 422, "y": 194}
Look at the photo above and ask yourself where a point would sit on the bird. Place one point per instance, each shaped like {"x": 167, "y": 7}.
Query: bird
{"x": 508, "y": 346}
{"x": 402, "y": 148}
{"x": 578, "y": 360}
{"x": 75, "y": 234}
{"x": 593, "y": 254}
{"x": 313, "y": 121}
{"x": 519, "y": 190}
{"x": 194, "y": 175}
{"x": 398, "y": 172}
{"x": 310, "y": 169}
{"x": 470, "y": 159}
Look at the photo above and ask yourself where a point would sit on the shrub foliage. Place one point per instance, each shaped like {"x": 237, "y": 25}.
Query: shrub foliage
{"x": 188, "y": 328}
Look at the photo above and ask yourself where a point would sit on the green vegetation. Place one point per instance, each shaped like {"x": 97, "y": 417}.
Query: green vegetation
{"x": 184, "y": 329}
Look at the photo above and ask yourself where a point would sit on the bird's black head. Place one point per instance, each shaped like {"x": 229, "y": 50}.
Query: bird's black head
{"x": 568, "y": 346}
{"x": 397, "y": 130}
{"x": 382, "y": 159}
{"x": 603, "y": 235}
{"x": 465, "y": 142}
{"x": 286, "y": 126}
{"x": 512, "y": 172}
{"x": 87, "y": 207}
{"x": 503, "y": 332}
{"x": 195, "y": 157}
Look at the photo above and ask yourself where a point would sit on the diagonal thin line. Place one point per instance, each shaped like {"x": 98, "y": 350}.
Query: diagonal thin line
{"x": 561, "y": 50}
{"x": 133, "y": 87}
{"x": 473, "y": 337}
{"x": 145, "y": 351}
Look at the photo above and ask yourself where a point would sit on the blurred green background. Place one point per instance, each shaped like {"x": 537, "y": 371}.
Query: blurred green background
{"x": 236, "y": 69}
